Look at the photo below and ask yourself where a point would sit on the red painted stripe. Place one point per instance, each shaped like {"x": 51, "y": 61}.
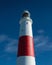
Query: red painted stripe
{"x": 26, "y": 46}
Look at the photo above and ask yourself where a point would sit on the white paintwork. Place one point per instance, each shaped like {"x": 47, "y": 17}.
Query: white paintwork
{"x": 26, "y": 60}
{"x": 26, "y": 26}
{"x": 25, "y": 19}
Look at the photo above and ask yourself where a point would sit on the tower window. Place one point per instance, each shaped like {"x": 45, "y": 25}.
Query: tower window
{"x": 26, "y": 22}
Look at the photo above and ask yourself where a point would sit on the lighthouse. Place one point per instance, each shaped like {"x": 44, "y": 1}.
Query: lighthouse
{"x": 26, "y": 55}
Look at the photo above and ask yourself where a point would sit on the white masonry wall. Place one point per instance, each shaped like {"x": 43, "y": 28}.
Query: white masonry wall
{"x": 26, "y": 27}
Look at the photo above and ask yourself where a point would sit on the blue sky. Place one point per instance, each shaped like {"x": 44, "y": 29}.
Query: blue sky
{"x": 10, "y": 14}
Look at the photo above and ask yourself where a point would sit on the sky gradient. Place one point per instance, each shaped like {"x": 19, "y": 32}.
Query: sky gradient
{"x": 10, "y": 15}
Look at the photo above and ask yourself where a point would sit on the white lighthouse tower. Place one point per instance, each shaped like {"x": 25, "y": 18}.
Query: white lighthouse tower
{"x": 25, "y": 55}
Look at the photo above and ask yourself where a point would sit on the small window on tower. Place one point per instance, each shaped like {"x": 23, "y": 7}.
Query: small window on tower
{"x": 26, "y": 22}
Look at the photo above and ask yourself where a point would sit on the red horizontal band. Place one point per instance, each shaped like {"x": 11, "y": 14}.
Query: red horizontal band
{"x": 26, "y": 46}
